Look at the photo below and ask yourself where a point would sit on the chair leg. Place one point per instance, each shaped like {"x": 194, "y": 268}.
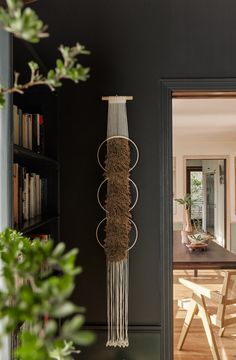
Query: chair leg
{"x": 187, "y": 322}
{"x": 221, "y": 331}
{"x": 208, "y": 328}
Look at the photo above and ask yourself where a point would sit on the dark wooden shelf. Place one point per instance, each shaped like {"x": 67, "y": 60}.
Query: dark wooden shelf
{"x": 21, "y": 153}
{"x": 36, "y": 223}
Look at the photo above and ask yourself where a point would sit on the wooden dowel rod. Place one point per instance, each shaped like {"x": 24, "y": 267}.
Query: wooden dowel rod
{"x": 110, "y": 98}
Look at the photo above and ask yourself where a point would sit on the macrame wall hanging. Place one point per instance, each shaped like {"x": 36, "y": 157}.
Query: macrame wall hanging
{"x": 118, "y": 222}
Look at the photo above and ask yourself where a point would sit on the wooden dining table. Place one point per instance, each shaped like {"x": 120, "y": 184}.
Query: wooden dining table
{"x": 213, "y": 257}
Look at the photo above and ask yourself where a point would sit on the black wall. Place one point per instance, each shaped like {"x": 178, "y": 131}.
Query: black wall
{"x": 133, "y": 43}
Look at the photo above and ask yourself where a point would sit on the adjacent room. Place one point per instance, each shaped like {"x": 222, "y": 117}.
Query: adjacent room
{"x": 204, "y": 214}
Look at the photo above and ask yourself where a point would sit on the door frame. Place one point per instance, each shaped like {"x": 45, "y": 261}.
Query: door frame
{"x": 227, "y": 187}
{"x": 172, "y": 88}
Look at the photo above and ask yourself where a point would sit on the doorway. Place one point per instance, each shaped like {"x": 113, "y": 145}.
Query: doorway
{"x": 206, "y": 182}
{"x": 170, "y": 88}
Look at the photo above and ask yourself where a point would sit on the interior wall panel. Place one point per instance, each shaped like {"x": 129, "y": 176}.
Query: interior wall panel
{"x": 134, "y": 44}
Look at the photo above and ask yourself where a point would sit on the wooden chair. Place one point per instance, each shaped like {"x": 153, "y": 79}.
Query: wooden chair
{"x": 197, "y": 306}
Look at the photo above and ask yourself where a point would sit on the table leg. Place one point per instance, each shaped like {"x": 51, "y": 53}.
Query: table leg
{"x": 195, "y": 272}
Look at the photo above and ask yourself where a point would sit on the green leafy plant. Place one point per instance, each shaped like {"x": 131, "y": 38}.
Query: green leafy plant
{"x": 38, "y": 281}
{"x": 197, "y": 237}
{"x": 186, "y": 201}
{"x": 25, "y": 24}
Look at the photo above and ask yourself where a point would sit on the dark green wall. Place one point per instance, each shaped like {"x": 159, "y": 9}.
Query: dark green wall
{"x": 133, "y": 43}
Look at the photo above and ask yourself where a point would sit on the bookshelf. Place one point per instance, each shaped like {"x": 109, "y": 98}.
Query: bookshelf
{"x": 31, "y": 157}
{"x": 44, "y": 163}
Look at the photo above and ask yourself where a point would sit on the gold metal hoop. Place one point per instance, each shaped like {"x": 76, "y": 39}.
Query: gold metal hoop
{"x": 136, "y": 235}
{"x": 134, "y": 204}
{"x": 118, "y": 137}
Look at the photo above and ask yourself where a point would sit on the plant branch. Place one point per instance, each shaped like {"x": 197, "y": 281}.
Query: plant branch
{"x": 22, "y": 22}
{"x": 67, "y": 67}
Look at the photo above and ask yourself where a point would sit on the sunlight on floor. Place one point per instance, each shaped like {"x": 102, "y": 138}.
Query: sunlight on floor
{"x": 196, "y": 345}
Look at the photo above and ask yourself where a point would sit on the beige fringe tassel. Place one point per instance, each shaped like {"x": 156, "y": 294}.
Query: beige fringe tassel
{"x": 117, "y": 303}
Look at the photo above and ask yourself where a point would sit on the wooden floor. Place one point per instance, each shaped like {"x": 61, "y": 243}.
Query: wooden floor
{"x": 196, "y": 346}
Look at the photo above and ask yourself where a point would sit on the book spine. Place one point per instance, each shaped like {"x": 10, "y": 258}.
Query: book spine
{"x": 15, "y": 125}
{"x": 29, "y": 197}
{"x": 34, "y": 132}
{"x": 20, "y": 195}
{"x": 15, "y": 195}
{"x": 37, "y": 196}
{"x": 24, "y": 131}
{"x": 40, "y": 196}
{"x": 20, "y": 127}
{"x": 38, "y": 133}
{"x": 32, "y": 195}
{"x": 44, "y": 196}
{"x": 30, "y": 132}
{"x": 42, "y": 134}
{"x": 26, "y": 196}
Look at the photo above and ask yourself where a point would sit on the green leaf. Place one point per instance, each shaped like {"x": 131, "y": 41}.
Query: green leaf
{"x": 60, "y": 63}
{"x": 73, "y": 325}
{"x": 31, "y": 348}
{"x": 2, "y": 100}
{"x": 59, "y": 249}
{"x": 33, "y": 66}
{"x": 65, "y": 309}
{"x": 63, "y": 351}
{"x": 51, "y": 328}
{"x": 51, "y": 74}
{"x": 84, "y": 338}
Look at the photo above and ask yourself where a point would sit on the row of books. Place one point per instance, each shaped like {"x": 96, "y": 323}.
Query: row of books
{"x": 29, "y": 195}
{"x": 28, "y": 130}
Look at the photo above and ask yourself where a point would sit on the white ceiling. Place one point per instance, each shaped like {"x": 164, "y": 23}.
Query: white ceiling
{"x": 212, "y": 119}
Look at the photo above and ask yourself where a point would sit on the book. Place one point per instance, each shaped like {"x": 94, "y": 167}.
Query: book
{"x": 32, "y": 196}
{"x": 20, "y": 195}
{"x": 25, "y": 130}
{"x": 16, "y": 125}
{"x": 37, "y": 195}
{"x": 28, "y": 130}
{"x": 15, "y": 195}
{"x": 24, "y": 206}
{"x": 44, "y": 195}
{"x": 20, "y": 126}
{"x": 26, "y": 197}
{"x": 29, "y": 195}
{"x": 42, "y": 134}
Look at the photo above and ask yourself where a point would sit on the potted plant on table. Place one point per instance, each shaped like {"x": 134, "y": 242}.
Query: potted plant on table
{"x": 187, "y": 202}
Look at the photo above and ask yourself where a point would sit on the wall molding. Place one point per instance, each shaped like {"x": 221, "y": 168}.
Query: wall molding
{"x": 132, "y": 328}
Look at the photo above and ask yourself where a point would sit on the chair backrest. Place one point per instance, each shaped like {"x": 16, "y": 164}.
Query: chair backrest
{"x": 228, "y": 293}
{"x": 229, "y": 287}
